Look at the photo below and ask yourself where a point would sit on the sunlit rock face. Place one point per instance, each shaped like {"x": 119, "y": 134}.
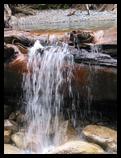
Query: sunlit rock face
{"x": 102, "y": 135}
{"x": 77, "y": 147}
{"x": 11, "y": 149}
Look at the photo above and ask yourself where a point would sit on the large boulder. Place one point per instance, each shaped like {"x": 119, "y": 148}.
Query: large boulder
{"x": 26, "y": 142}
{"x": 18, "y": 140}
{"x": 101, "y": 135}
{"x": 71, "y": 133}
{"x": 77, "y": 147}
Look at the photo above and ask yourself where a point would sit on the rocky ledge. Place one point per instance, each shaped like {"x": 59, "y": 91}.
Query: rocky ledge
{"x": 95, "y": 64}
{"x": 89, "y": 139}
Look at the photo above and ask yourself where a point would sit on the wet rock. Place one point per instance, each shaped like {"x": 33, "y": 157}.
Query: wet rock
{"x": 26, "y": 39}
{"x": 101, "y": 135}
{"x": 20, "y": 118}
{"x": 12, "y": 86}
{"x": 17, "y": 116}
{"x": 22, "y": 40}
{"x": 12, "y": 116}
{"x": 110, "y": 49}
{"x": 71, "y": 133}
{"x": 10, "y": 125}
{"x": 23, "y": 141}
{"x": 61, "y": 135}
{"x": 33, "y": 146}
{"x": 13, "y": 57}
{"x": 14, "y": 123}
{"x": 84, "y": 76}
{"x": 7, "y": 110}
{"x": 18, "y": 140}
{"x": 88, "y": 82}
{"x": 66, "y": 132}
{"x": 95, "y": 58}
{"x": 7, "y": 136}
{"x": 10, "y": 52}
{"x": 77, "y": 147}
{"x": 10, "y": 149}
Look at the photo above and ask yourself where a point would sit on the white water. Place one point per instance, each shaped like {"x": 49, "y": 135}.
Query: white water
{"x": 47, "y": 75}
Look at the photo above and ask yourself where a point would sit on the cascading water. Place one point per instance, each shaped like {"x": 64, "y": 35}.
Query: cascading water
{"x": 48, "y": 71}
{"x": 49, "y": 78}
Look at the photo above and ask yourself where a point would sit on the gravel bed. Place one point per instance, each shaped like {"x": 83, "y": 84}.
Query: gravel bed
{"x": 58, "y": 19}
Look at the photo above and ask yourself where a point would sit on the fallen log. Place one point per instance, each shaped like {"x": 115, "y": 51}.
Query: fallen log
{"x": 83, "y": 37}
{"x": 27, "y": 39}
{"x": 86, "y": 37}
{"x": 18, "y": 36}
{"x": 20, "y": 41}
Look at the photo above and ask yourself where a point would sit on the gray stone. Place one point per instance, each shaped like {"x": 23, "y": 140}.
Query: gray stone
{"x": 77, "y": 147}
{"x": 10, "y": 149}
{"x": 18, "y": 139}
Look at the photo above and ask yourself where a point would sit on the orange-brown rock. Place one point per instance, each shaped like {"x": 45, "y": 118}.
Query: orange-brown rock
{"x": 14, "y": 59}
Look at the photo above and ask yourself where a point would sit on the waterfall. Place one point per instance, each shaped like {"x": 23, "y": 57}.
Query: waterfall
{"x": 50, "y": 68}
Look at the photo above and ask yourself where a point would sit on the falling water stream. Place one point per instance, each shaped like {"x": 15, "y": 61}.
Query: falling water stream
{"x": 42, "y": 94}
